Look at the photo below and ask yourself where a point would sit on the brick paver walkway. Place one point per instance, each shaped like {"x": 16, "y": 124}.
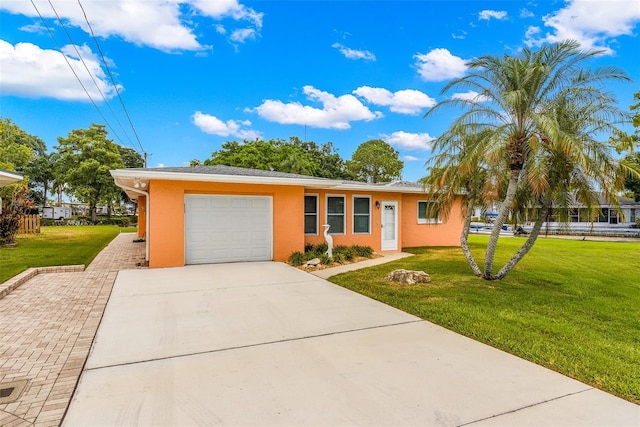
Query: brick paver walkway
{"x": 47, "y": 326}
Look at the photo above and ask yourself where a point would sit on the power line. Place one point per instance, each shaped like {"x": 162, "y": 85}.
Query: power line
{"x": 74, "y": 71}
{"x": 112, "y": 80}
{"x": 86, "y": 67}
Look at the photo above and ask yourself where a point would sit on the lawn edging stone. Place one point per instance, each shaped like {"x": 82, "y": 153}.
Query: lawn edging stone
{"x": 19, "y": 279}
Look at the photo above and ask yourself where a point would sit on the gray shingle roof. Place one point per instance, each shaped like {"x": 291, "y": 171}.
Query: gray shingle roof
{"x": 229, "y": 170}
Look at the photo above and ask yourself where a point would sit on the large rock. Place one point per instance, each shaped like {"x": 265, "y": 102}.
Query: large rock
{"x": 312, "y": 263}
{"x": 409, "y": 277}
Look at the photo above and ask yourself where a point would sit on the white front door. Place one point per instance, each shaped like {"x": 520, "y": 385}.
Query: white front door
{"x": 389, "y": 212}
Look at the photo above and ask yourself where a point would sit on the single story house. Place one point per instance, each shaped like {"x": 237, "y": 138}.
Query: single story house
{"x": 8, "y": 178}
{"x": 213, "y": 214}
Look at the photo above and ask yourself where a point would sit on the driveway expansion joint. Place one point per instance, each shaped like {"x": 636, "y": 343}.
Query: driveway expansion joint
{"x": 526, "y": 407}
{"x": 240, "y": 347}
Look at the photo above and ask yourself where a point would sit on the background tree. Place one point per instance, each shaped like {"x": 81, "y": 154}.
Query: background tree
{"x": 293, "y": 156}
{"x": 632, "y": 180}
{"x": 86, "y": 156}
{"x": 131, "y": 159}
{"x": 9, "y": 131}
{"x": 375, "y": 161}
{"x": 41, "y": 173}
{"x": 522, "y": 117}
{"x": 15, "y": 153}
{"x": 16, "y": 146}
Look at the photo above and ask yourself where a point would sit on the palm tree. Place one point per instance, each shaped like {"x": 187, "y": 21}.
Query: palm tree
{"x": 514, "y": 124}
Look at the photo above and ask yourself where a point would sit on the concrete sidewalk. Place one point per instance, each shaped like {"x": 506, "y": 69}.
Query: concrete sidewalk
{"x": 328, "y": 272}
{"x": 267, "y": 344}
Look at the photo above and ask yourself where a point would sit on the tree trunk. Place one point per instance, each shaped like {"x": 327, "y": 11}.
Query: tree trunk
{"x": 44, "y": 194}
{"x": 464, "y": 242}
{"x": 92, "y": 209}
{"x": 515, "y": 259}
{"x": 505, "y": 207}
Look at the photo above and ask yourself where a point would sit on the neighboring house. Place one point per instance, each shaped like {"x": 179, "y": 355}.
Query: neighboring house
{"x": 7, "y": 178}
{"x": 212, "y": 214}
{"x": 610, "y": 216}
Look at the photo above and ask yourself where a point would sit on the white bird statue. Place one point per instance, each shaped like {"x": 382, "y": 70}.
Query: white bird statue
{"x": 329, "y": 240}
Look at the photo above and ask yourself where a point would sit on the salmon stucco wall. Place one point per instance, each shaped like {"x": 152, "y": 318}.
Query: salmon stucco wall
{"x": 411, "y": 233}
{"x": 166, "y": 229}
{"x": 142, "y": 217}
{"x": 414, "y": 234}
{"x": 373, "y": 238}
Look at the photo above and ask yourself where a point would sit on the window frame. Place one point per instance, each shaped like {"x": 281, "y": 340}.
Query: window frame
{"x": 426, "y": 220}
{"x": 344, "y": 213}
{"x": 317, "y": 214}
{"x": 353, "y": 214}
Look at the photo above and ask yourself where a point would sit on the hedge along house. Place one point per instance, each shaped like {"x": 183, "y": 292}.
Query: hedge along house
{"x": 214, "y": 214}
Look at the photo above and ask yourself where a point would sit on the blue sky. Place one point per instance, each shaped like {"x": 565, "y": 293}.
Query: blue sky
{"x": 194, "y": 74}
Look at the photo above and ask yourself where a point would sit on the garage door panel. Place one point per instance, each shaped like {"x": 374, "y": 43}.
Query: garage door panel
{"x": 197, "y": 237}
{"x": 239, "y": 236}
{"x": 227, "y": 228}
{"x": 259, "y": 236}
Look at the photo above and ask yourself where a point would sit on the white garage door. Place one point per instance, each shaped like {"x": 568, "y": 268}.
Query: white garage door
{"x": 227, "y": 229}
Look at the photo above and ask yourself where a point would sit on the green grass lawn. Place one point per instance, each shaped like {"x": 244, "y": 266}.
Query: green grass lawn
{"x": 572, "y": 306}
{"x": 60, "y": 245}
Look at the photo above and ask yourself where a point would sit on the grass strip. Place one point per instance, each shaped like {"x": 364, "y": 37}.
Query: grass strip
{"x": 571, "y": 306}
{"x": 60, "y": 245}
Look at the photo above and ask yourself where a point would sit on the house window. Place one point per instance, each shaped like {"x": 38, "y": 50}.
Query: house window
{"x": 426, "y": 213}
{"x": 335, "y": 214}
{"x": 574, "y": 215}
{"x": 310, "y": 214}
{"x": 361, "y": 215}
{"x": 604, "y": 215}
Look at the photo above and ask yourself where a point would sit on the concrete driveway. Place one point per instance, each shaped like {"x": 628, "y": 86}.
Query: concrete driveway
{"x": 266, "y": 344}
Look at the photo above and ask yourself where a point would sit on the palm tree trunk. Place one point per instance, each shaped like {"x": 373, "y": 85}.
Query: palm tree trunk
{"x": 515, "y": 259}
{"x": 464, "y": 242}
{"x": 497, "y": 225}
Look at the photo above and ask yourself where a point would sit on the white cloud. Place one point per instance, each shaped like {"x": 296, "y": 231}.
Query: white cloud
{"x": 526, "y": 13}
{"x": 36, "y": 27}
{"x": 161, "y": 24}
{"x": 27, "y": 70}
{"x": 488, "y": 14}
{"x": 336, "y": 113}
{"x": 460, "y": 36}
{"x": 409, "y": 141}
{"x": 242, "y": 35}
{"x": 410, "y": 158}
{"x": 213, "y": 125}
{"x": 219, "y": 9}
{"x": 406, "y": 101}
{"x": 591, "y": 23}
{"x": 353, "y": 53}
{"x": 470, "y": 96}
{"x": 439, "y": 65}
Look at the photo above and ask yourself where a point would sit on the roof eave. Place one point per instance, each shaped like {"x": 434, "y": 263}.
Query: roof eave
{"x": 129, "y": 177}
{"x": 7, "y": 178}
{"x": 146, "y": 176}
